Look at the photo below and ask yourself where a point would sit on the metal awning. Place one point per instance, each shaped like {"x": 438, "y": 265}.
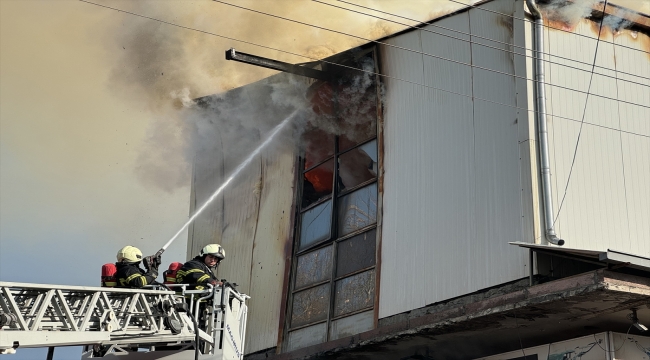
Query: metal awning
{"x": 610, "y": 256}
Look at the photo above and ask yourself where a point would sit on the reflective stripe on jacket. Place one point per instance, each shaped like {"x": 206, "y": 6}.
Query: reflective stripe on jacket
{"x": 195, "y": 272}
{"x": 131, "y": 276}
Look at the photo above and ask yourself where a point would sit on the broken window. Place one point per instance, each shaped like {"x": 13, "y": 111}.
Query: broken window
{"x": 318, "y": 183}
{"x": 358, "y": 165}
{"x": 333, "y": 280}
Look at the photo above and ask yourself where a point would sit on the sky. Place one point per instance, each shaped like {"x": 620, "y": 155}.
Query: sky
{"x": 94, "y": 152}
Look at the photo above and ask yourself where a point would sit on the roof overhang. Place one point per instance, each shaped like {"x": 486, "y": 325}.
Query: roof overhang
{"x": 496, "y": 320}
{"x": 607, "y": 258}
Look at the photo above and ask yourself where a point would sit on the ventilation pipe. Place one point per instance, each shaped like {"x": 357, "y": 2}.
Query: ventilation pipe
{"x": 540, "y": 112}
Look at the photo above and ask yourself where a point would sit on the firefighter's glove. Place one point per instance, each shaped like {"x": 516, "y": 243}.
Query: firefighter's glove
{"x": 214, "y": 282}
{"x": 152, "y": 262}
{"x": 153, "y": 273}
{"x": 156, "y": 261}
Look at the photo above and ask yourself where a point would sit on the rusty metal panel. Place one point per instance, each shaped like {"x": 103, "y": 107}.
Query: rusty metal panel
{"x": 452, "y": 182}
{"x": 606, "y": 199}
{"x": 273, "y": 236}
{"x": 252, "y": 218}
{"x": 240, "y": 215}
{"x": 402, "y": 115}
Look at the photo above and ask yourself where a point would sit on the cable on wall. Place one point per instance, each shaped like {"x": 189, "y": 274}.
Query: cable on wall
{"x": 584, "y": 113}
{"x": 356, "y": 69}
{"x": 417, "y": 27}
{"x": 426, "y": 54}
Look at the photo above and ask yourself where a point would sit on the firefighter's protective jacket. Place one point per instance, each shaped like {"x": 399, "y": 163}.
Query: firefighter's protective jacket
{"x": 131, "y": 276}
{"x": 195, "y": 272}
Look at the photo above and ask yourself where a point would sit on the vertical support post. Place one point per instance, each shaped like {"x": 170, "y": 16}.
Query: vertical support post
{"x": 531, "y": 260}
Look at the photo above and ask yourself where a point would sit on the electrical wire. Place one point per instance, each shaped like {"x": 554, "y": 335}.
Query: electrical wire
{"x": 478, "y": 37}
{"x": 584, "y": 113}
{"x": 514, "y": 312}
{"x": 356, "y": 69}
{"x": 548, "y": 26}
{"x": 619, "y": 348}
{"x": 424, "y": 53}
{"x": 620, "y": 137}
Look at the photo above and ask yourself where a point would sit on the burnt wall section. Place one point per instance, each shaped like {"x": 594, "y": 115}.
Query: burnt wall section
{"x": 252, "y": 217}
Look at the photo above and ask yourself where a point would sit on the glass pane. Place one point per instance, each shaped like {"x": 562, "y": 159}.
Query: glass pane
{"x": 356, "y": 253}
{"x": 352, "y": 325}
{"x": 315, "y": 224}
{"x": 358, "y": 165}
{"x": 310, "y": 305}
{"x": 319, "y": 145}
{"x": 357, "y": 209}
{"x": 307, "y": 336}
{"x": 317, "y": 183}
{"x": 354, "y": 293}
{"x": 314, "y": 267}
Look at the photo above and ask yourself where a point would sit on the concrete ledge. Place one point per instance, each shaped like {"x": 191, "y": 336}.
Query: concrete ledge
{"x": 597, "y": 300}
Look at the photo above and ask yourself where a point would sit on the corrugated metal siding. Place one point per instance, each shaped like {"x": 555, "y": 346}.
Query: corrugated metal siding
{"x": 273, "y": 236}
{"x": 606, "y": 203}
{"x": 207, "y": 226}
{"x": 252, "y": 218}
{"x": 256, "y": 229}
{"x": 452, "y": 197}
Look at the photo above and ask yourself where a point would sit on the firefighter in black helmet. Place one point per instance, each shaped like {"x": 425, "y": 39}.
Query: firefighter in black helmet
{"x": 198, "y": 271}
{"x": 129, "y": 274}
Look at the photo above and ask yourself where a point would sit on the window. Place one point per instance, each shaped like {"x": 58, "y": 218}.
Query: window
{"x": 332, "y": 290}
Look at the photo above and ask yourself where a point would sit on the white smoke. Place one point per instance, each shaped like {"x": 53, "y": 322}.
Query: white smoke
{"x": 568, "y": 11}
{"x": 616, "y": 21}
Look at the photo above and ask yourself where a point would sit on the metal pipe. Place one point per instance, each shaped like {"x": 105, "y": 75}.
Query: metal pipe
{"x": 231, "y": 54}
{"x": 540, "y": 111}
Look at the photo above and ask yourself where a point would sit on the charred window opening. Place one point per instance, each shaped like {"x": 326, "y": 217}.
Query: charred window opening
{"x": 332, "y": 290}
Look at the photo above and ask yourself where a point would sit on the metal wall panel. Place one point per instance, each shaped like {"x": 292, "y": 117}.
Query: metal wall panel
{"x": 605, "y": 204}
{"x": 256, "y": 232}
{"x": 452, "y": 174}
{"x": 252, "y": 218}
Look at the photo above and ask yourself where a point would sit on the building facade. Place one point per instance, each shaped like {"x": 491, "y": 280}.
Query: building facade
{"x": 409, "y": 216}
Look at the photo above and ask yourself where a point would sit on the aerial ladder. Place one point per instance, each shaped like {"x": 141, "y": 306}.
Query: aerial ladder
{"x": 156, "y": 322}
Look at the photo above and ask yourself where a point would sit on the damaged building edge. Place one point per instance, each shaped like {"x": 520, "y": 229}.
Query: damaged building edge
{"x": 466, "y": 318}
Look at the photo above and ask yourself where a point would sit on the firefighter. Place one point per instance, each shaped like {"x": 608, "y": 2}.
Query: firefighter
{"x": 198, "y": 271}
{"x": 129, "y": 274}
{"x": 170, "y": 274}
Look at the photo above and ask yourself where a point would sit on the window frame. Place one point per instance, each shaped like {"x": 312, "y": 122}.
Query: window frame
{"x": 334, "y": 240}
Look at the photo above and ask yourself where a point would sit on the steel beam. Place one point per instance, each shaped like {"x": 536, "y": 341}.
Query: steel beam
{"x": 276, "y": 65}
